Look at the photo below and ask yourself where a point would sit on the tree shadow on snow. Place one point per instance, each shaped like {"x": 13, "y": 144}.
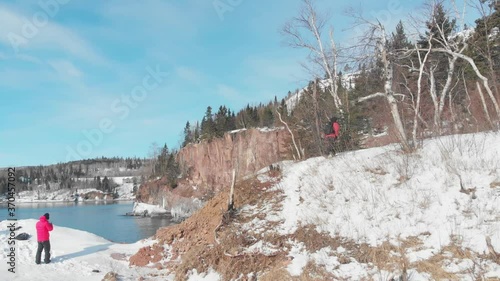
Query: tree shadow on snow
{"x": 84, "y": 252}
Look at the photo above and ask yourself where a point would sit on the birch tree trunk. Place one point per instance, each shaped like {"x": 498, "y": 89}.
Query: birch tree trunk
{"x": 388, "y": 75}
{"x": 419, "y": 92}
{"x": 478, "y": 73}
{"x": 316, "y": 117}
{"x": 485, "y": 106}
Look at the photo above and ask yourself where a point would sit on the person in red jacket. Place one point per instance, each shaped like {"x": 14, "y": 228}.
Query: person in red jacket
{"x": 43, "y": 226}
{"x": 332, "y": 135}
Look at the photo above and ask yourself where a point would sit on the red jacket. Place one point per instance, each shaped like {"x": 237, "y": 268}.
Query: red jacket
{"x": 336, "y": 131}
{"x": 42, "y": 229}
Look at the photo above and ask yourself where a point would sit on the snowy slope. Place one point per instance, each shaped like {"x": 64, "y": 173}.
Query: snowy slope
{"x": 382, "y": 195}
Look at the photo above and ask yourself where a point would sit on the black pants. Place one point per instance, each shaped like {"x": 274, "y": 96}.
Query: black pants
{"x": 330, "y": 146}
{"x": 43, "y": 245}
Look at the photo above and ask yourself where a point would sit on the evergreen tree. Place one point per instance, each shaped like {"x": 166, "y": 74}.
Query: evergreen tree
{"x": 221, "y": 121}
{"x": 486, "y": 42}
{"x": 399, "y": 39}
{"x": 161, "y": 163}
{"x": 208, "y": 125}
{"x": 440, "y": 26}
{"x": 188, "y": 135}
{"x": 134, "y": 182}
{"x": 105, "y": 184}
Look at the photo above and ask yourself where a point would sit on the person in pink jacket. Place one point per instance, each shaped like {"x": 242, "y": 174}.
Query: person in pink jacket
{"x": 332, "y": 134}
{"x": 43, "y": 226}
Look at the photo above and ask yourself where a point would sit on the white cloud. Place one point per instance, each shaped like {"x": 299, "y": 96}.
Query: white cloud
{"x": 51, "y": 36}
{"x": 155, "y": 16}
{"x": 229, "y": 92}
{"x": 189, "y": 74}
{"x": 28, "y": 58}
{"x": 276, "y": 68}
{"x": 64, "y": 67}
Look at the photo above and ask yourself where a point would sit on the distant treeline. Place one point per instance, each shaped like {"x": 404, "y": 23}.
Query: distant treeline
{"x": 214, "y": 125}
{"x": 66, "y": 175}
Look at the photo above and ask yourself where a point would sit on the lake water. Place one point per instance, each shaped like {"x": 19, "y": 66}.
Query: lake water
{"x": 107, "y": 220}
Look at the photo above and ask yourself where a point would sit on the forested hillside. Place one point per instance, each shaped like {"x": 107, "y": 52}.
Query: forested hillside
{"x": 424, "y": 78}
{"x": 89, "y": 173}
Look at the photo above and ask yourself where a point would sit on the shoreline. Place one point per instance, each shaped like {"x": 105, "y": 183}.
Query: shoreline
{"x": 67, "y": 201}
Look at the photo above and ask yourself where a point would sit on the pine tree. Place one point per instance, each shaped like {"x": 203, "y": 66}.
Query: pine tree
{"x": 440, "y": 26}
{"x": 208, "y": 125}
{"x": 220, "y": 121}
{"x": 105, "y": 184}
{"x": 188, "y": 135}
{"x": 399, "y": 39}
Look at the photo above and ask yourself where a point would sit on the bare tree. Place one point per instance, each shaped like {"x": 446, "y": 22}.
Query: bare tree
{"x": 486, "y": 10}
{"x": 153, "y": 153}
{"x": 417, "y": 97}
{"x": 454, "y": 47}
{"x": 323, "y": 52}
{"x": 375, "y": 47}
{"x": 299, "y": 154}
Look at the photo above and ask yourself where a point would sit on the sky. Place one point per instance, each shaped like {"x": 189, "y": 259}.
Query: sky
{"x": 82, "y": 79}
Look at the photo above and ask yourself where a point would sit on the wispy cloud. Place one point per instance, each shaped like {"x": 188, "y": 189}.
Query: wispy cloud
{"x": 229, "y": 92}
{"x": 64, "y": 67}
{"x": 284, "y": 69}
{"x": 52, "y": 37}
{"x": 160, "y": 17}
{"x": 189, "y": 74}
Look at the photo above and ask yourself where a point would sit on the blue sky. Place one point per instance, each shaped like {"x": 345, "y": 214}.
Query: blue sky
{"x": 82, "y": 79}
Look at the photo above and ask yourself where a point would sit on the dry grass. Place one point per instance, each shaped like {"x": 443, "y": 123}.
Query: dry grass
{"x": 386, "y": 256}
{"x": 495, "y": 184}
{"x": 434, "y": 265}
{"x": 311, "y": 272}
{"x": 377, "y": 171}
{"x": 315, "y": 241}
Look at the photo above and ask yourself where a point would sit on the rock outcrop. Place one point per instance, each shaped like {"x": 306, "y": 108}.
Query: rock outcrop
{"x": 210, "y": 164}
{"x": 207, "y": 166}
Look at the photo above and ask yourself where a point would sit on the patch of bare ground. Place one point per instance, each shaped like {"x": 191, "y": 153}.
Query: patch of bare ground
{"x": 385, "y": 256}
{"x": 311, "y": 272}
{"x": 213, "y": 238}
{"x": 495, "y": 184}
{"x": 435, "y": 264}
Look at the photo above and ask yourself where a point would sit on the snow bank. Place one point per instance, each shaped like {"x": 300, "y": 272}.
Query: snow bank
{"x": 75, "y": 255}
{"x": 185, "y": 207}
{"x": 211, "y": 275}
{"x": 147, "y": 209}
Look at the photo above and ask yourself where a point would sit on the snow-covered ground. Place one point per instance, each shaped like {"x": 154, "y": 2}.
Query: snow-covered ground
{"x": 184, "y": 208}
{"x": 383, "y": 195}
{"x": 75, "y": 255}
{"x": 443, "y": 197}
{"x": 140, "y": 209}
{"x": 40, "y": 194}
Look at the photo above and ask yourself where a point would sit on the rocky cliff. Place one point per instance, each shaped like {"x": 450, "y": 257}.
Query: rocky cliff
{"x": 207, "y": 166}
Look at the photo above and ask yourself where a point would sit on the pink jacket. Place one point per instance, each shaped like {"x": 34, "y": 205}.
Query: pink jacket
{"x": 336, "y": 131}
{"x": 42, "y": 229}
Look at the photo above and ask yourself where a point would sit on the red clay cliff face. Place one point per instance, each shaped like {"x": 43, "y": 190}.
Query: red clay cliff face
{"x": 210, "y": 164}
{"x": 207, "y": 166}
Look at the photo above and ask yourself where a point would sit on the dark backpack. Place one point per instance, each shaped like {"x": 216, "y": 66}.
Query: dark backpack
{"x": 328, "y": 130}
{"x": 23, "y": 236}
